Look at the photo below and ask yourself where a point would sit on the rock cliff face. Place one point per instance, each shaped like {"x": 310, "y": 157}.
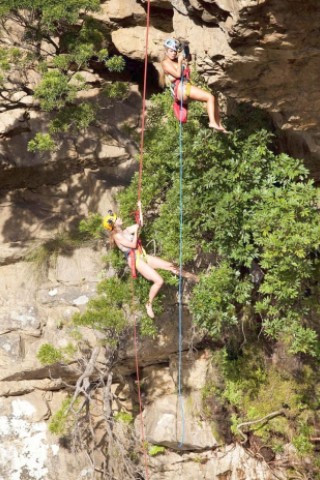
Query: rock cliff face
{"x": 261, "y": 52}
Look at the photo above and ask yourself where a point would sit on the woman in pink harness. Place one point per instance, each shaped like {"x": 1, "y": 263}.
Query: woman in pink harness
{"x": 173, "y": 66}
{"x": 127, "y": 241}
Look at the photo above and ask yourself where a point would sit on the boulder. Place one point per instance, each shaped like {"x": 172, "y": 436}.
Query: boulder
{"x": 11, "y": 120}
{"x": 167, "y": 4}
{"x": 157, "y": 381}
{"x": 158, "y": 350}
{"x": 130, "y": 9}
{"x": 194, "y": 369}
{"x": 27, "y": 450}
{"x": 20, "y": 388}
{"x": 131, "y": 42}
{"x": 10, "y": 347}
{"x": 171, "y": 420}
{"x": 231, "y": 463}
{"x": 206, "y": 41}
{"x": 23, "y": 317}
{"x": 81, "y": 266}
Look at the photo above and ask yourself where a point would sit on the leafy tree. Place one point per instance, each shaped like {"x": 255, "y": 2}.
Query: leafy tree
{"x": 92, "y": 396}
{"x": 58, "y": 39}
{"x": 251, "y": 220}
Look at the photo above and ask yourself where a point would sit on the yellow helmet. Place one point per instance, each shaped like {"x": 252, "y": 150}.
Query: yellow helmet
{"x": 108, "y": 221}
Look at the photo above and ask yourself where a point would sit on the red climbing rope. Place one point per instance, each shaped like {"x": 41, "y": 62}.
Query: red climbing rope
{"x": 135, "y": 335}
{"x": 144, "y": 103}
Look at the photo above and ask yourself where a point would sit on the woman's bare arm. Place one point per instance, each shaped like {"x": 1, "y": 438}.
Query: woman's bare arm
{"x": 140, "y": 212}
{"x": 173, "y": 69}
{"x": 132, "y": 228}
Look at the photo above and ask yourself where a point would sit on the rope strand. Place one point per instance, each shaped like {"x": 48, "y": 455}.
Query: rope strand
{"x": 135, "y": 335}
{"x": 144, "y": 102}
{"x": 180, "y": 395}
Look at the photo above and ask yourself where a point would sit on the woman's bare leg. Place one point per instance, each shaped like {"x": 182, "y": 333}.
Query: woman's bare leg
{"x": 200, "y": 95}
{"x": 217, "y": 112}
{"x": 149, "y": 273}
{"x": 156, "y": 262}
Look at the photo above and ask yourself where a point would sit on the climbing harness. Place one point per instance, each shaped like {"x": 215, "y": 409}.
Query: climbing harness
{"x": 180, "y": 109}
{"x": 134, "y": 255}
{"x": 131, "y": 254}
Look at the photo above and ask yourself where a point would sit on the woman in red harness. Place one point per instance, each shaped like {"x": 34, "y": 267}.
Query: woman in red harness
{"x": 128, "y": 242}
{"x": 173, "y": 66}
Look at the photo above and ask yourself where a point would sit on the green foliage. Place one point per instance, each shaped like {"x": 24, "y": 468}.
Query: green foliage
{"x": 116, "y": 90}
{"x": 254, "y": 213}
{"x": 124, "y": 417}
{"x": 53, "y": 12}
{"x": 156, "y": 450}
{"x": 84, "y": 43}
{"x": 61, "y": 420}
{"x": 78, "y": 117}
{"x": 252, "y": 388}
{"x": 12, "y": 58}
{"x": 212, "y": 302}
{"x": 106, "y": 311}
{"x": 61, "y": 62}
{"x": 39, "y": 255}
{"x": 42, "y": 142}
{"x": 302, "y": 444}
{"x": 109, "y": 311}
{"x": 147, "y": 327}
{"x": 75, "y": 39}
{"x": 54, "y": 91}
{"x": 61, "y": 243}
{"x": 115, "y": 259}
{"x": 115, "y": 64}
{"x": 91, "y": 227}
{"x": 48, "y": 354}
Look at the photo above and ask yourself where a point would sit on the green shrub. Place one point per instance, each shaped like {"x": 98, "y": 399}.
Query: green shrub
{"x": 252, "y": 212}
{"x": 42, "y": 142}
{"x": 302, "y": 444}
{"x": 48, "y": 354}
{"x": 106, "y": 311}
{"x": 62, "y": 419}
{"x": 75, "y": 39}
{"x": 54, "y": 91}
{"x": 91, "y": 227}
{"x": 124, "y": 417}
{"x": 156, "y": 450}
{"x": 116, "y": 90}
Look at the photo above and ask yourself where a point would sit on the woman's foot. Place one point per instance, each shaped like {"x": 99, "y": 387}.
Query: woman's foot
{"x": 175, "y": 271}
{"x": 217, "y": 127}
{"x": 149, "y": 310}
{"x": 191, "y": 276}
{"x": 188, "y": 275}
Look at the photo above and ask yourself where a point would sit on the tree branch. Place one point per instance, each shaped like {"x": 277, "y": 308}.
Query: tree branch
{"x": 83, "y": 382}
{"x": 266, "y": 418}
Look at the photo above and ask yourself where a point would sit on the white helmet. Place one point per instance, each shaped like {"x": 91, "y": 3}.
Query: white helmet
{"x": 172, "y": 43}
